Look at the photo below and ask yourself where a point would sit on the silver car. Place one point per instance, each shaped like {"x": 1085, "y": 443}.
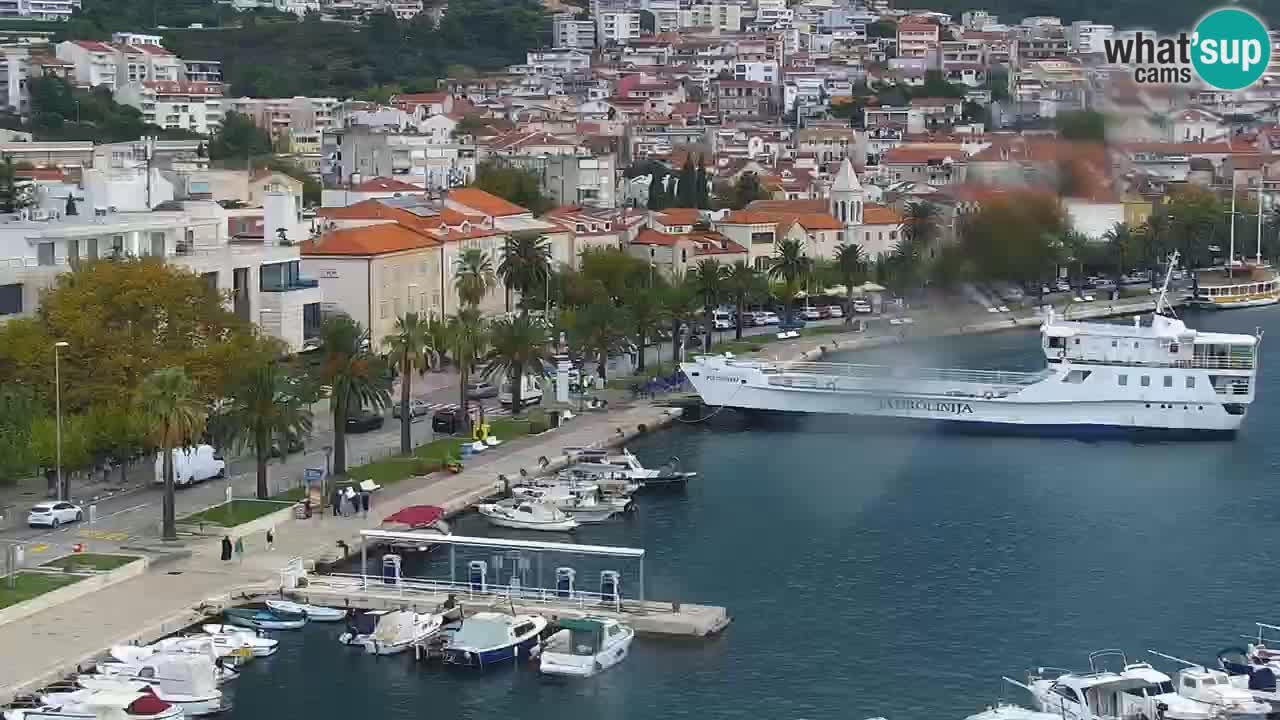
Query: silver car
{"x": 417, "y": 409}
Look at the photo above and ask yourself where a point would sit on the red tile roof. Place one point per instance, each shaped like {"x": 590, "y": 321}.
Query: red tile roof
{"x": 369, "y": 240}
{"x": 911, "y": 155}
{"x": 649, "y": 236}
{"x": 873, "y": 214}
{"x": 485, "y": 203}
{"x": 679, "y": 216}
{"x": 381, "y": 184}
{"x": 152, "y": 50}
{"x": 748, "y": 217}
{"x": 94, "y": 46}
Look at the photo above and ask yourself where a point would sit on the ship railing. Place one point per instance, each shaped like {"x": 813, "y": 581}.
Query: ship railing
{"x": 889, "y": 372}
{"x": 426, "y": 590}
{"x": 1236, "y": 386}
{"x": 1217, "y": 363}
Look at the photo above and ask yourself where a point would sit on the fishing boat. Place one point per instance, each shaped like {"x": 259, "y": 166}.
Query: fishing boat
{"x": 360, "y": 626}
{"x": 187, "y": 681}
{"x": 592, "y": 463}
{"x": 423, "y": 519}
{"x": 527, "y": 515}
{"x": 314, "y": 613}
{"x": 260, "y": 645}
{"x": 263, "y": 619}
{"x": 489, "y": 638}
{"x": 584, "y": 647}
{"x": 98, "y": 705}
{"x": 1099, "y": 378}
{"x": 400, "y": 630}
{"x": 586, "y": 504}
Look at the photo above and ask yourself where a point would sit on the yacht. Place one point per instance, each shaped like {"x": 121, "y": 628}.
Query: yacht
{"x": 1155, "y": 376}
{"x": 586, "y": 504}
{"x": 591, "y": 463}
{"x": 1214, "y": 690}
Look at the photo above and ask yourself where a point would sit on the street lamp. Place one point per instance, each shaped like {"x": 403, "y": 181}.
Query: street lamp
{"x": 57, "y": 394}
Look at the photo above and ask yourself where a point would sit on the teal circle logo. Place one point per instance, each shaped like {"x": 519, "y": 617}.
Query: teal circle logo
{"x": 1230, "y": 48}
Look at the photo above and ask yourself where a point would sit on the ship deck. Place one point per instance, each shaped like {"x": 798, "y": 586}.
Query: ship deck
{"x": 881, "y": 378}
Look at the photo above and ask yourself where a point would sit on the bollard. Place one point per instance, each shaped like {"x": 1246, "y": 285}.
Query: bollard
{"x": 93, "y": 514}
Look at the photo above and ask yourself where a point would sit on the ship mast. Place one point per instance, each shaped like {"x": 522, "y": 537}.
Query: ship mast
{"x": 1231, "y": 253}
{"x": 1262, "y": 183}
{"x": 1162, "y": 301}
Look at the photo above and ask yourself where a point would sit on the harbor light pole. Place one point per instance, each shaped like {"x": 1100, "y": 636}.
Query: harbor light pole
{"x": 57, "y": 395}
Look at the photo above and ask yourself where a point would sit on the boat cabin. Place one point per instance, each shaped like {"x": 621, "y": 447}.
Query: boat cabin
{"x": 1243, "y": 284}
{"x": 1084, "y": 696}
{"x": 1166, "y": 342}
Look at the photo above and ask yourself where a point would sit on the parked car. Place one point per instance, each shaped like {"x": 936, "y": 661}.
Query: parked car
{"x": 752, "y": 319}
{"x": 53, "y": 514}
{"x": 1063, "y": 286}
{"x": 771, "y": 318}
{"x": 480, "y": 390}
{"x": 365, "y": 421}
{"x": 417, "y": 408}
{"x": 862, "y": 307}
{"x": 192, "y": 465}
{"x": 835, "y": 311}
{"x": 722, "y": 320}
{"x": 810, "y": 313}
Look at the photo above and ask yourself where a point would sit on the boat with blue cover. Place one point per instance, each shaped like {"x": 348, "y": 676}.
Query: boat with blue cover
{"x": 489, "y": 638}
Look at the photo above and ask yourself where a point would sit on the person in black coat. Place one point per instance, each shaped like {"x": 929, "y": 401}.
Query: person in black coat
{"x": 226, "y": 548}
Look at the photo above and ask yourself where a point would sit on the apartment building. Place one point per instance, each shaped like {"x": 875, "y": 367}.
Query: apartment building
{"x": 583, "y": 181}
{"x": 918, "y": 40}
{"x": 742, "y": 98}
{"x": 762, "y": 72}
{"x": 280, "y": 115}
{"x": 176, "y": 104}
{"x": 567, "y": 32}
{"x": 414, "y": 159}
{"x": 146, "y": 63}
{"x": 1089, "y": 38}
{"x": 725, "y": 17}
{"x": 202, "y": 71}
{"x": 260, "y": 276}
{"x": 616, "y": 27}
{"x": 14, "y": 71}
{"x": 47, "y": 10}
{"x": 95, "y": 62}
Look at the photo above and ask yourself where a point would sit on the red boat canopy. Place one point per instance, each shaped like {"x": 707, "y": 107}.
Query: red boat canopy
{"x": 415, "y": 516}
{"x": 148, "y": 704}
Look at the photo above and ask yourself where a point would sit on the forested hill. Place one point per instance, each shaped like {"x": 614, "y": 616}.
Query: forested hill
{"x": 1165, "y": 15}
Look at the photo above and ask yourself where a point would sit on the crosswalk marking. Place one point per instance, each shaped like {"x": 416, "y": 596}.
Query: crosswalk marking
{"x": 103, "y": 535}
{"x": 487, "y": 410}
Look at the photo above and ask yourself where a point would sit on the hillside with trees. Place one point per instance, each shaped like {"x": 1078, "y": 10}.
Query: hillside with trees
{"x": 1164, "y": 15}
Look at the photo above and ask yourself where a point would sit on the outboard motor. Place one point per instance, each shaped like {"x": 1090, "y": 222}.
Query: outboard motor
{"x": 564, "y": 581}
{"x": 391, "y": 569}
{"x": 609, "y": 585}
{"x": 477, "y": 575}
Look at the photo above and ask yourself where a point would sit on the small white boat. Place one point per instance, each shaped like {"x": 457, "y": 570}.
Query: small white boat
{"x": 314, "y": 613}
{"x": 187, "y": 681}
{"x": 1013, "y": 712}
{"x": 264, "y": 619}
{"x": 98, "y": 705}
{"x": 582, "y": 648}
{"x": 584, "y": 505}
{"x": 224, "y": 675}
{"x": 361, "y": 626}
{"x": 527, "y": 515}
{"x": 232, "y": 650}
{"x": 399, "y": 630}
{"x": 627, "y": 466}
{"x": 488, "y": 638}
{"x": 261, "y": 645}
{"x": 1213, "y": 691}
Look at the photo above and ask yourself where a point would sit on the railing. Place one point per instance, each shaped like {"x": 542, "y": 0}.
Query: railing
{"x": 1208, "y": 363}
{"x": 295, "y": 284}
{"x": 410, "y": 587}
{"x": 1236, "y": 386}
{"x": 889, "y": 372}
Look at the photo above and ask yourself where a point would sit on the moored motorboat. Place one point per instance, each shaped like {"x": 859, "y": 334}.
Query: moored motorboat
{"x": 98, "y": 705}
{"x": 1005, "y": 711}
{"x": 400, "y": 630}
{"x": 527, "y": 515}
{"x": 489, "y": 638}
{"x": 1213, "y": 690}
{"x": 264, "y": 619}
{"x": 584, "y": 504}
{"x": 626, "y": 466}
{"x": 259, "y": 644}
{"x": 584, "y": 647}
{"x": 314, "y": 613}
{"x": 187, "y": 681}
{"x": 360, "y": 626}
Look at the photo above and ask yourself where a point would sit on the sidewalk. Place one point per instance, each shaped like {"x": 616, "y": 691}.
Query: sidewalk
{"x": 42, "y": 646}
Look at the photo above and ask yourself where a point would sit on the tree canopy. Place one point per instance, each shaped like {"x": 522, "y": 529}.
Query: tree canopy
{"x": 513, "y": 184}
{"x": 61, "y": 112}
{"x": 239, "y": 138}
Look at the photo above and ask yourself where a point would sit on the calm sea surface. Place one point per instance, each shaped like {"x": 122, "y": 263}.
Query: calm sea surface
{"x": 896, "y": 573}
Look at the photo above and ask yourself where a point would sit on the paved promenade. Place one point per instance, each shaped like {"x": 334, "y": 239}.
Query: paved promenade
{"x": 39, "y": 648}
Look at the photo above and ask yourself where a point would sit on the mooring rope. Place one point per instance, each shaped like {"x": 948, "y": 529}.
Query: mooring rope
{"x": 717, "y": 412}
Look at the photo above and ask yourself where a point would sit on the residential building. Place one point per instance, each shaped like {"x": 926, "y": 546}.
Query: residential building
{"x": 615, "y": 27}
{"x": 280, "y": 115}
{"x": 95, "y": 62}
{"x": 723, "y": 16}
{"x": 918, "y": 40}
{"x": 1089, "y": 38}
{"x": 202, "y": 71}
{"x": 742, "y": 98}
{"x": 48, "y": 10}
{"x": 906, "y": 119}
{"x": 297, "y": 7}
{"x": 832, "y": 144}
{"x": 582, "y": 181}
{"x": 422, "y": 161}
{"x": 977, "y": 19}
{"x": 930, "y": 165}
{"x": 359, "y": 191}
{"x": 175, "y": 104}
{"x": 759, "y": 72}
{"x": 145, "y": 62}
{"x": 568, "y": 32}
{"x": 13, "y": 79}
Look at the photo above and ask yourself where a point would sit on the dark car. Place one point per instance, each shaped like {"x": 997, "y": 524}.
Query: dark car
{"x": 364, "y": 422}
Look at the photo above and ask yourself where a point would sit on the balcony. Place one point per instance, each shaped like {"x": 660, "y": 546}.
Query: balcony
{"x": 299, "y": 283}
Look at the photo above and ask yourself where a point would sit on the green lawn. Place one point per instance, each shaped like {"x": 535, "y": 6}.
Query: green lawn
{"x": 32, "y": 584}
{"x": 236, "y": 512}
{"x": 93, "y": 561}
{"x": 430, "y": 457}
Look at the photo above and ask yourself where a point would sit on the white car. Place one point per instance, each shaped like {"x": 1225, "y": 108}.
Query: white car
{"x": 992, "y": 310}
{"x": 771, "y": 318}
{"x": 54, "y": 513}
{"x": 1003, "y": 308}
{"x": 811, "y": 313}
{"x": 835, "y": 311}
{"x": 862, "y": 307}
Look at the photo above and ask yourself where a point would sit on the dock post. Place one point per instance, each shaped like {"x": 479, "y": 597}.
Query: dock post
{"x": 364, "y": 579}
{"x": 642, "y": 580}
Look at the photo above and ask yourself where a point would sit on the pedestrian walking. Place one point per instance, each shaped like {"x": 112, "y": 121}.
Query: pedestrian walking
{"x": 226, "y": 548}
{"x": 364, "y": 502}
{"x": 335, "y": 501}
{"x": 239, "y": 547}
{"x": 271, "y": 538}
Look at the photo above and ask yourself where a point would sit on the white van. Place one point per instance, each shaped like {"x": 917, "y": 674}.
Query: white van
{"x": 192, "y": 465}
{"x": 530, "y": 391}
{"x": 722, "y": 320}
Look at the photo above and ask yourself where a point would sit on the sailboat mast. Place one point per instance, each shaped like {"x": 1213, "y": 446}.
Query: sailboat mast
{"x": 1262, "y": 183}
{"x": 1231, "y": 253}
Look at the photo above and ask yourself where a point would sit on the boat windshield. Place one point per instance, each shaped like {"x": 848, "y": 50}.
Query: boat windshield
{"x": 1163, "y": 688}
{"x": 481, "y": 634}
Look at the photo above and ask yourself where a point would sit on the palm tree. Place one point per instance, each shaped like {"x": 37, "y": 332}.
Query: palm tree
{"x": 644, "y": 310}
{"x": 266, "y": 412}
{"x": 525, "y": 266}
{"x": 437, "y": 339}
{"x": 1119, "y": 238}
{"x": 707, "y": 278}
{"x": 741, "y": 282}
{"x": 679, "y": 305}
{"x": 596, "y": 330}
{"x": 355, "y": 375}
{"x": 851, "y": 264}
{"x": 791, "y": 266}
{"x": 411, "y": 347}
{"x": 467, "y": 338}
{"x": 474, "y": 276}
{"x": 920, "y": 223}
{"x": 177, "y": 419}
{"x": 517, "y": 347}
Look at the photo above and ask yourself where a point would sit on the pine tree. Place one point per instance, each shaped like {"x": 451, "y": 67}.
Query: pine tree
{"x": 688, "y": 196}
{"x": 655, "y": 192}
{"x": 701, "y": 200}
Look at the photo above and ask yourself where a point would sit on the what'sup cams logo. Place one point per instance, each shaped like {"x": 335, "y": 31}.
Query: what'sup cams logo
{"x": 1228, "y": 49}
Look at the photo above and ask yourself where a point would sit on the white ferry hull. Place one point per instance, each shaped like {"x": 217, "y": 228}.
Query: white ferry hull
{"x": 1033, "y": 409}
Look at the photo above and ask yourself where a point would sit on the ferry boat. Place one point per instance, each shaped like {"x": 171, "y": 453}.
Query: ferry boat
{"x": 1245, "y": 285}
{"x": 1160, "y": 376}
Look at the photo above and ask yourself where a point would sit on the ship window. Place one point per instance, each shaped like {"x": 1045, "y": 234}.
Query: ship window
{"x": 1191, "y": 382}
{"x": 1124, "y": 379}
{"x": 1146, "y": 381}
{"x": 1168, "y": 381}
{"x": 1173, "y": 348}
{"x": 1077, "y": 341}
{"x": 1113, "y": 343}
{"x": 1057, "y": 342}
{"x": 1066, "y": 692}
{"x": 1188, "y": 682}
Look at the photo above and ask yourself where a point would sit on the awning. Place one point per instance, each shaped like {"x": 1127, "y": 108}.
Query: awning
{"x": 415, "y": 515}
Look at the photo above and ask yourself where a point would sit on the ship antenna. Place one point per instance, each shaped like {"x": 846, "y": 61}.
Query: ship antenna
{"x": 1162, "y": 303}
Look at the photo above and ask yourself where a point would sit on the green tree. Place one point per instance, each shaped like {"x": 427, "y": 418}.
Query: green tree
{"x": 357, "y": 378}
{"x": 920, "y": 224}
{"x": 239, "y": 138}
{"x": 882, "y": 29}
{"x": 1087, "y": 125}
{"x": 708, "y": 279}
{"x": 525, "y": 265}
{"x": 177, "y": 418}
{"x": 474, "y": 276}
{"x": 656, "y": 195}
{"x": 14, "y": 195}
{"x": 936, "y": 86}
{"x": 701, "y": 199}
{"x": 1016, "y": 238}
{"x": 746, "y": 190}
{"x": 513, "y": 184}
{"x": 851, "y": 266}
{"x": 680, "y": 305}
{"x": 517, "y": 347}
{"x": 468, "y": 337}
{"x": 18, "y": 412}
{"x": 612, "y": 273}
{"x": 686, "y": 191}
{"x": 790, "y": 265}
{"x": 596, "y": 331}
{"x": 742, "y": 283}
{"x": 1120, "y": 241}
{"x": 644, "y": 310}
{"x": 410, "y": 346}
{"x": 265, "y": 413}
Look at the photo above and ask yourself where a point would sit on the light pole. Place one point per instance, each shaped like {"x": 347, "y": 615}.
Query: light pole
{"x": 57, "y": 395}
